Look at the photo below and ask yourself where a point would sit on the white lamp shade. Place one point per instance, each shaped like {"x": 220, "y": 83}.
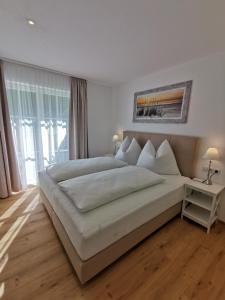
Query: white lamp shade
{"x": 211, "y": 154}
{"x": 115, "y": 138}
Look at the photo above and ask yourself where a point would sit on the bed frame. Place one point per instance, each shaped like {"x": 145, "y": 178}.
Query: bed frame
{"x": 185, "y": 149}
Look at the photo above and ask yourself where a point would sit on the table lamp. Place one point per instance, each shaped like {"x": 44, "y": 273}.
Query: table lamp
{"x": 210, "y": 154}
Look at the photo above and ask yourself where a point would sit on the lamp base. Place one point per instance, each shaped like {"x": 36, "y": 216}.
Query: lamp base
{"x": 208, "y": 181}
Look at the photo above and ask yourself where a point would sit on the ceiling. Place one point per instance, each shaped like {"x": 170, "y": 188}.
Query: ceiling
{"x": 111, "y": 41}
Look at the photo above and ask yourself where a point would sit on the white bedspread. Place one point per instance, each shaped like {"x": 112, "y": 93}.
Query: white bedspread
{"x": 93, "y": 231}
{"x": 93, "y": 190}
{"x": 79, "y": 167}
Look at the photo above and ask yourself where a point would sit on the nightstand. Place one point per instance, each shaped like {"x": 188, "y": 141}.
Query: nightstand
{"x": 201, "y": 202}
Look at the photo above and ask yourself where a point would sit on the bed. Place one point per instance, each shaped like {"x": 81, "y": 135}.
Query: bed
{"x": 95, "y": 239}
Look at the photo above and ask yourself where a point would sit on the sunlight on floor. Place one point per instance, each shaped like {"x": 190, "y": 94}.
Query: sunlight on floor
{"x": 3, "y": 262}
{"x": 15, "y": 228}
{"x": 8, "y": 238}
{"x": 2, "y": 289}
{"x": 14, "y": 206}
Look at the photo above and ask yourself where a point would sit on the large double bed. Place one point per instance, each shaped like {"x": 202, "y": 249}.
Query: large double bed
{"x": 95, "y": 238}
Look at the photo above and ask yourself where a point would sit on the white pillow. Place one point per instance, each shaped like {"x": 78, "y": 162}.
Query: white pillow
{"x": 123, "y": 147}
{"x": 125, "y": 144}
{"x": 163, "y": 162}
{"x": 131, "y": 154}
{"x": 147, "y": 156}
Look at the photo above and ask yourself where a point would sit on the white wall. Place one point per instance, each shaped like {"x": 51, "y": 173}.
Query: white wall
{"x": 99, "y": 119}
{"x": 207, "y": 108}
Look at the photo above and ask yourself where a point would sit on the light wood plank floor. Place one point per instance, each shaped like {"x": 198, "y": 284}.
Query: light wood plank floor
{"x": 180, "y": 261}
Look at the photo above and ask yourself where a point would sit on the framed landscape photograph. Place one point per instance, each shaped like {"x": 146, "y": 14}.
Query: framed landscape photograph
{"x": 167, "y": 104}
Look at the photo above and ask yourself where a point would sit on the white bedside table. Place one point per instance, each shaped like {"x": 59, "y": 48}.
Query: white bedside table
{"x": 201, "y": 202}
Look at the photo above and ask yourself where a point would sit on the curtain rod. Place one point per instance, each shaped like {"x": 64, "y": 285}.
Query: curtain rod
{"x": 38, "y": 67}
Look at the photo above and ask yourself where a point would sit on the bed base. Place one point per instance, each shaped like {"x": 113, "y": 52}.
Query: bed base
{"x": 87, "y": 269}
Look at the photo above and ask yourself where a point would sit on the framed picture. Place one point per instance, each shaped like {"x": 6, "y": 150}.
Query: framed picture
{"x": 167, "y": 104}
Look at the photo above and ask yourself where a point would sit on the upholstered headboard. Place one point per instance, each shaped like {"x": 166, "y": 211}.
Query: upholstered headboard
{"x": 185, "y": 148}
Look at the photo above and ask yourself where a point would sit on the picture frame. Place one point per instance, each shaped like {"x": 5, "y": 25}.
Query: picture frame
{"x": 166, "y": 104}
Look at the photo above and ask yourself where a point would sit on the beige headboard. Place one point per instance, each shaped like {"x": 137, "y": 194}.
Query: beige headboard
{"x": 185, "y": 148}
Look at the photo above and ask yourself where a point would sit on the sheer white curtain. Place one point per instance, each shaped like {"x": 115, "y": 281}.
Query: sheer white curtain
{"x": 39, "y": 110}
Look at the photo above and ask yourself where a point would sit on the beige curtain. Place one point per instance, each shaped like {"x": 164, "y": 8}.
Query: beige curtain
{"x": 78, "y": 124}
{"x": 9, "y": 172}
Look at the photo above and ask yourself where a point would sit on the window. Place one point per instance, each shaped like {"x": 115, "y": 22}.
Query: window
{"x": 39, "y": 116}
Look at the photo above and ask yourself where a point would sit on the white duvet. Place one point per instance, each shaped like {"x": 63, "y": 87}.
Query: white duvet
{"x": 93, "y": 190}
{"x": 79, "y": 167}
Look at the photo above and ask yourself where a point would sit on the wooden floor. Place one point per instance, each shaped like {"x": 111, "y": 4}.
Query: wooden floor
{"x": 180, "y": 261}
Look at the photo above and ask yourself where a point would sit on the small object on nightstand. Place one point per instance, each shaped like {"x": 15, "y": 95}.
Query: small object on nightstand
{"x": 200, "y": 202}
{"x": 211, "y": 154}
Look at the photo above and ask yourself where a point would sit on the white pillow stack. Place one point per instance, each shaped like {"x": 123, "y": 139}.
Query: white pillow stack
{"x": 162, "y": 162}
{"x": 129, "y": 151}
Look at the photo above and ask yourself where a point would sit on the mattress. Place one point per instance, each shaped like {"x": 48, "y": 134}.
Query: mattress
{"x": 93, "y": 231}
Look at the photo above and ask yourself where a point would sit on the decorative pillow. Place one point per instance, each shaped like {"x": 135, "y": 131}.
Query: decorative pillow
{"x": 162, "y": 162}
{"x": 123, "y": 147}
{"x": 147, "y": 156}
{"x": 131, "y": 154}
